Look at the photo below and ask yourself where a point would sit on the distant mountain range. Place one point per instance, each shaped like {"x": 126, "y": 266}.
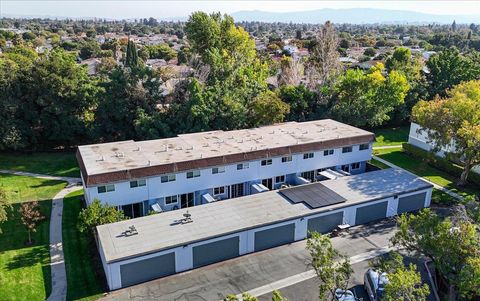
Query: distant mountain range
{"x": 348, "y": 15}
{"x": 354, "y": 16}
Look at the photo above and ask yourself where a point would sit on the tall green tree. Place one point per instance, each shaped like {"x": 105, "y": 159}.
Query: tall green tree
{"x": 449, "y": 68}
{"x": 229, "y": 74}
{"x": 451, "y": 247}
{"x": 366, "y": 99}
{"x": 128, "y": 96}
{"x": 304, "y": 104}
{"x": 409, "y": 65}
{"x": 47, "y": 101}
{"x": 267, "y": 108}
{"x": 131, "y": 58}
{"x": 454, "y": 119}
{"x": 333, "y": 269}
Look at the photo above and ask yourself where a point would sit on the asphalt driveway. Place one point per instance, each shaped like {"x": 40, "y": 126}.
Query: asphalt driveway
{"x": 262, "y": 271}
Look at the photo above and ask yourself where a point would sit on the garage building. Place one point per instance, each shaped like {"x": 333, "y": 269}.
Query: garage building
{"x": 162, "y": 244}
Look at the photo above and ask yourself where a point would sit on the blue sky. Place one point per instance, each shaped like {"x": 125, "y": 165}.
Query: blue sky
{"x": 168, "y": 9}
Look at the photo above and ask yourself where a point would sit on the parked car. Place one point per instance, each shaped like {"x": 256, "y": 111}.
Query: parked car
{"x": 374, "y": 283}
{"x": 344, "y": 295}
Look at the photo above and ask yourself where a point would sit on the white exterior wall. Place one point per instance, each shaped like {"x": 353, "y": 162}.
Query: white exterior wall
{"x": 154, "y": 189}
{"x": 184, "y": 254}
{"x": 421, "y": 141}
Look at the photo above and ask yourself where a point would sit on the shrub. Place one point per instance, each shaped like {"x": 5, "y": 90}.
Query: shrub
{"x": 440, "y": 163}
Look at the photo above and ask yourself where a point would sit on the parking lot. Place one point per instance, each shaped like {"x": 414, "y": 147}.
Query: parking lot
{"x": 286, "y": 268}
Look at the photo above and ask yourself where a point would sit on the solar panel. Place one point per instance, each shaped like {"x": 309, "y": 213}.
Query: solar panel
{"x": 313, "y": 195}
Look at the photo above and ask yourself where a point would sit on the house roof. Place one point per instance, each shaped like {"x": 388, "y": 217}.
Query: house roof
{"x": 124, "y": 160}
{"x": 162, "y": 231}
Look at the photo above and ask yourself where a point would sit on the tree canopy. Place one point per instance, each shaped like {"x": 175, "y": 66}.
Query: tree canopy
{"x": 454, "y": 120}
{"x": 452, "y": 247}
{"x": 363, "y": 99}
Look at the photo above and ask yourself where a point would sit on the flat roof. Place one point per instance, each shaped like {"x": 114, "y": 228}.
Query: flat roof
{"x": 162, "y": 231}
{"x": 115, "y": 161}
{"x": 315, "y": 196}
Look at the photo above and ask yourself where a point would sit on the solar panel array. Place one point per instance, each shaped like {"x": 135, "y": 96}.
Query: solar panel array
{"x": 314, "y": 195}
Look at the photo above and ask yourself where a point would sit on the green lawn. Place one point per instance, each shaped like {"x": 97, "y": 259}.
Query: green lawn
{"x": 398, "y": 157}
{"x": 84, "y": 270}
{"x": 391, "y": 136}
{"x": 57, "y": 164}
{"x": 25, "y": 271}
{"x": 23, "y": 189}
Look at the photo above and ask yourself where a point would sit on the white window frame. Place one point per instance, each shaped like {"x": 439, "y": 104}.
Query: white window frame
{"x": 347, "y": 149}
{"x": 217, "y": 170}
{"x": 194, "y": 174}
{"x": 241, "y": 166}
{"x": 364, "y": 146}
{"x": 267, "y": 162}
{"x": 328, "y": 152}
{"x": 171, "y": 197}
{"x": 170, "y": 178}
{"x": 219, "y": 192}
{"x": 282, "y": 181}
{"x": 138, "y": 183}
{"x": 108, "y": 188}
{"x": 308, "y": 155}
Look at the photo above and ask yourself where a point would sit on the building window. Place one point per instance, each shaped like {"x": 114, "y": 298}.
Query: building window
{"x": 106, "y": 188}
{"x": 286, "y": 159}
{"x": 138, "y": 183}
{"x": 346, "y": 168}
{"x": 266, "y": 162}
{"x": 242, "y": 166}
{"x": 308, "y": 155}
{"x": 347, "y": 149}
{"x": 216, "y": 170}
{"x": 309, "y": 175}
{"x": 356, "y": 165}
{"x": 364, "y": 146}
{"x": 219, "y": 190}
{"x": 169, "y": 200}
{"x": 193, "y": 174}
{"x": 168, "y": 178}
{"x": 328, "y": 152}
{"x": 280, "y": 179}
{"x": 132, "y": 210}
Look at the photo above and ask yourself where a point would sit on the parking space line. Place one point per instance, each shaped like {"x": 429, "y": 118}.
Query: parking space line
{"x": 289, "y": 281}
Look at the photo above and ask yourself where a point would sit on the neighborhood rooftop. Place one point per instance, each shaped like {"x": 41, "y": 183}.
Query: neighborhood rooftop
{"x": 101, "y": 163}
{"x": 163, "y": 231}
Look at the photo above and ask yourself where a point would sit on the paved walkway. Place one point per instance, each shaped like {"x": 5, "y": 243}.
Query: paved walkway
{"x": 36, "y": 175}
{"x": 387, "y": 147}
{"x": 57, "y": 263}
{"x": 449, "y": 192}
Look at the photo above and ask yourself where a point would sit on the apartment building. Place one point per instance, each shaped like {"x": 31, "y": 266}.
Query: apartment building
{"x": 205, "y": 167}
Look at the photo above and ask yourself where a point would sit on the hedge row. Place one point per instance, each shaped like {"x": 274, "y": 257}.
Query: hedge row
{"x": 440, "y": 163}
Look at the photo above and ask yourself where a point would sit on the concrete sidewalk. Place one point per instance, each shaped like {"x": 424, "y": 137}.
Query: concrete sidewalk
{"x": 41, "y": 176}
{"x": 257, "y": 272}
{"x": 57, "y": 263}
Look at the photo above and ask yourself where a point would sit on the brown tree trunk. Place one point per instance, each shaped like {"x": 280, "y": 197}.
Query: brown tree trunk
{"x": 452, "y": 294}
{"x": 29, "y": 238}
{"x": 465, "y": 172}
